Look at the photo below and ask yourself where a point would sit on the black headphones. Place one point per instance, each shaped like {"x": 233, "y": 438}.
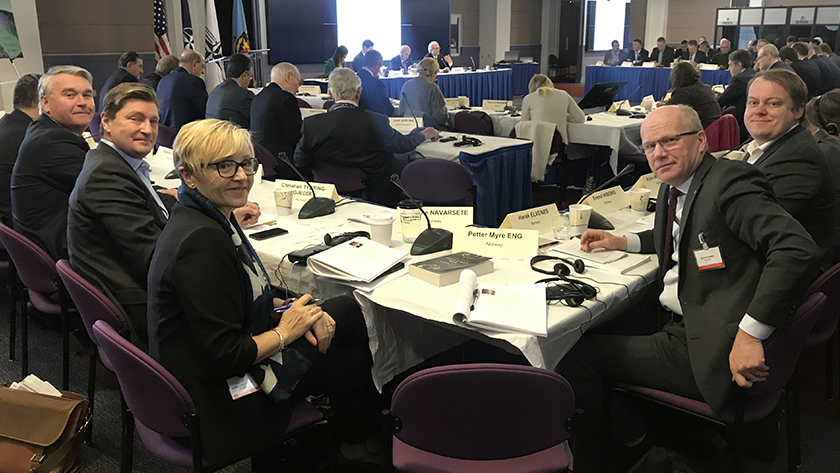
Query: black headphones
{"x": 570, "y": 291}
{"x": 468, "y": 141}
{"x": 330, "y": 240}
{"x": 831, "y": 128}
{"x": 560, "y": 269}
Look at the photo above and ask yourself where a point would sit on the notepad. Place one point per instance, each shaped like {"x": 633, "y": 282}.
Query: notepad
{"x": 359, "y": 259}
{"x": 500, "y": 308}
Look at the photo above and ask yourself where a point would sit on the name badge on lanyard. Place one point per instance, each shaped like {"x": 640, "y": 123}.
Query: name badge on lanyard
{"x": 708, "y": 258}
{"x": 242, "y": 386}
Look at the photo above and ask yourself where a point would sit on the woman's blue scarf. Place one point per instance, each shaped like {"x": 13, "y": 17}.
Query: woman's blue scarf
{"x": 277, "y": 375}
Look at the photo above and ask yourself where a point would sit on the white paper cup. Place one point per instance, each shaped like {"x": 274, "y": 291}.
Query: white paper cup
{"x": 283, "y": 202}
{"x": 639, "y": 199}
{"x": 579, "y": 215}
{"x": 381, "y": 228}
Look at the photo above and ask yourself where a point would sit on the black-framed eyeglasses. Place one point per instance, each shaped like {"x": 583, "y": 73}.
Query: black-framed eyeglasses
{"x": 228, "y": 167}
{"x": 667, "y": 142}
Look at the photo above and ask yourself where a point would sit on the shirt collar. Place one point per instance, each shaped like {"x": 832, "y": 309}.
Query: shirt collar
{"x": 133, "y": 162}
{"x": 752, "y": 146}
{"x": 686, "y": 185}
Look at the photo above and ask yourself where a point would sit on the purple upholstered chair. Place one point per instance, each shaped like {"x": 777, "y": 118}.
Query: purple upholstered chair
{"x": 438, "y": 182}
{"x": 6, "y": 266}
{"x": 829, "y": 284}
{"x": 482, "y": 418}
{"x": 348, "y": 181}
{"x": 303, "y": 103}
{"x": 781, "y": 352}
{"x": 328, "y": 104}
{"x": 267, "y": 160}
{"x": 92, "y": 306}
{"x": 166, "y": 136}
{"x": 93, "y": 127}
{"x": 162, "y": 409}
{"x": 36, "y": 271}
{"x": 465, "y": 122}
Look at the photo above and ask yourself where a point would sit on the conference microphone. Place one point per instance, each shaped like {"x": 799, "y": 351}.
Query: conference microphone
{"x": 431, "y": 240}
{"x": 596, "y": 220}
{"x": 626, "y": 113}
{"x": 405, "y": 98}
{"x": 473, "y": 62}
{"x": 316, "y": 206}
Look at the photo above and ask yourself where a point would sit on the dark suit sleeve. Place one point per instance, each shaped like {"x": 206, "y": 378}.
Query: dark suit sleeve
{"x": 646, "y": 240}
{"x": 198, "y": 96}
{"x": 380, "y": 98}
{"x": 62, "y": 159}
{"x": 680, "y": 96}
{"x": 303, "y": 155}
{"x": 732, "y": 93}
{"x": 795, "y": 180}
{"x": 289, "y": 116}
{"x": 245, "y": 109}
{"x": 394, "y": 141}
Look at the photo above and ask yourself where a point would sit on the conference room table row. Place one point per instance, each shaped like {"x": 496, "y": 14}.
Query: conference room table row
{"x": 409, "y": 320}
{"x": 644, "y": 81}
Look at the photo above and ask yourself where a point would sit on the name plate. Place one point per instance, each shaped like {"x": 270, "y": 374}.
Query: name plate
{"x": 453, "y": 102}
{"x": 608, "y": 200}
{"x": 463, "y": 100}
{"x": 405, "y": 125}
{"x": 615, "y": 106}
{"x": 302, "y": 193}
{"x": 496, "y": 243}
{"x": 495, "y": 105}
{"x": 649, "y": 64}
{"x": 540, "y": 219}
{"x": 308, "y": 112}
{"x": 649, "y": 181}
{"x": 708, "y": 67}
{"x": 310, "y": 89}
{"x": 450, "y": 218}
{"x": 627, "y": 64}
{"x": 599, "y": 63}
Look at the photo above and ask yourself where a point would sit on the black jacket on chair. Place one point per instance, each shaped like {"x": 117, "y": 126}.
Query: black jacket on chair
{"x": 275, "y": 124}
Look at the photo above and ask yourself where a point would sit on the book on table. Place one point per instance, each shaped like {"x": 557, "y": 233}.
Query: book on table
{"x": 446, "y": 270}
{"x": 500, "y": 308}
{"x": 359, "y": 259}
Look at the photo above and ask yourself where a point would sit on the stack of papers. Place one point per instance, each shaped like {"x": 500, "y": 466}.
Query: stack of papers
{"x": 611, "y": 260}
{"x": 359, "y": 259}
{"x": 35, "y": 384}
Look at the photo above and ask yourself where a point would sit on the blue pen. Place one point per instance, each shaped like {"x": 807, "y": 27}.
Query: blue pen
{"x": 282, "y": 308}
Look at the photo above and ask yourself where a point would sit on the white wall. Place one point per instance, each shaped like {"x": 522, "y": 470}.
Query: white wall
{"x": 26, "y": 19}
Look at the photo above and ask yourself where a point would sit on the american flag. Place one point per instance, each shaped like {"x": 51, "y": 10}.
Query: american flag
{"x": 161, "y": 32}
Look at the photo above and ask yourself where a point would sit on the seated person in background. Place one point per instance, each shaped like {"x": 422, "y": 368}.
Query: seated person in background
{"x": 129, "y": 69}
{"x": 768, "y": 58}
{"x": 401, "y": 61}
{"x": 422, "y": 96}
{"x": 703, "y": 47}
{"x": 350, "y": 137}
{"x": 615, "y": 56}
{"x": 663, "y": 55}
{"x": 789, "y": 42}
{"x": 231, "y": 100}
{"x": 716, "y": 323}
{"x": 212, "y": 318}
{"x": 444, "y": 62}
{"x": 722, "y": 56}
{"x": 686, "y": 89}
{"x": 826, "y": 49}
{"x": 829, "y": 71}
{"x": 337, "y": 60}
{"x": 695, "y": 55}
{"x": 374, "y": 95}
{"x": 275, "y": 116}
{"x": 359, "y": 60}
{"x": 12, "y": 130}
{"x": 182, "y": 93}
{"x": 51, "y": 157}
{"x": 822, "y": 117}
{"x": 807, "y": 70}
{"x": 639, "y": 54}
{"x": 682, "y": 53}
{"x": 546, "y": 104}
{"x": 788, "y": 155}
{"x": 751, "y": 49}
{"x": 735, "y": 94}
{"x": 166, "y": 65}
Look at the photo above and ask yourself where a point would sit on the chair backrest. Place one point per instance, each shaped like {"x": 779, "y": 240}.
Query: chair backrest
{"x": 328, "y": 104}
{"x": 152, "y": 394}
{"x": 723, "y": 134}
{"x": 303, "y": 103}
{"x": 166, "y": 136}
{"x": 34, "y": 266}
{"x": 483, "y": 411}
{"x": 438, "y": 182}
{"x": 829, "y": 284}
{"x": 345, "y": 179}
{"x": 267, "y": 160}
{"x": 91, "y": 303}
{"x": 94, "y": 126}
{"x": 730, "y": 110}
{"x": 465, "y": 122}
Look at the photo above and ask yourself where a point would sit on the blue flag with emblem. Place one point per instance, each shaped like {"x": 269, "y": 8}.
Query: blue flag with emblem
{"x": 240, "y": 29}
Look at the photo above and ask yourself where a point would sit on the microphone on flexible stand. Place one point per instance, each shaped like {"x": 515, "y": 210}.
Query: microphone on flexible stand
{"x": 316, "y": 206}
{"x": 431, "y": 240}
{"x": 621, "y": 112}
{"x": 473, "y": 62}
{"x": 405, "y": 98}
{"x": 596, "y": 220}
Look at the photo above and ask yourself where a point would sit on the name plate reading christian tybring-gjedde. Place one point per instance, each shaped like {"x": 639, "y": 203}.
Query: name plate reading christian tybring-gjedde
{"x": 302, "y": 193}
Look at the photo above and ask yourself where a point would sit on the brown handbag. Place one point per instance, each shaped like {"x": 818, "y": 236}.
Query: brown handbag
{"x": 40, "y": 433}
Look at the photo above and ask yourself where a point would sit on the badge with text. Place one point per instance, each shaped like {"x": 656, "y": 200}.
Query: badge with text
{"x": 405, "y": 125}
{"x": 302, "y": 193}
{"x": 495, "y": 105}
{"x": 308, "y": 112}
{"x": 310, "y": 89}
{"x": 452, "y": 103}
{"x": 708, "y": 258}
{"x": 241, "y": 387}
{"x": 608, "y": 201}
{"x": 496, "y": 242}
{"x": 539, "y": 218}
{"x": 649, "y": 181}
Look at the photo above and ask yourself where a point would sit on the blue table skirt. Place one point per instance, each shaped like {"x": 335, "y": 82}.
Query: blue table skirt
{"x": 654, "y": 81}
{"x": 503, "y": 182}
{"x": 522, "y": 73}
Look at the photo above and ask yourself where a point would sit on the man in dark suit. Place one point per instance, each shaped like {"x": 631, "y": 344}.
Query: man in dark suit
{"x": 735, "y": 94}
{"x": 182, "y": 93}
{"x": 231, "y": 100}
{"x": 807, "y": 70}
{"x": 401, "y": 61}
{"x": 718, "y": 315}
{"x": 722, "y": 56}
{"x": 51, "y": 157}
{"x": 166, "y": 65}
{"x": 359, "y": 60}
{"x": 787, "y": 154}
{"x": 12, "y": 130}
{"x": 639, "y": 54}
{"x": 695, "y": 55}
{"x": 616, "y": 55}
{"x": 348, "y": 136}
{"x": 444, "y": 62}
{"x": 129, "y": 69}
{"x": 374, "y": 95}
{"x": 663, "y": 55}
{"x": 275, "y": 116}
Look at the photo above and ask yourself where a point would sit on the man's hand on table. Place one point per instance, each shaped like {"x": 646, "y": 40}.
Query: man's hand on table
{"x": 594, "y": 239}
{"x": 431, "y": 134}
{"x": 248, "y": 214}
{"x": 746, "y": 360}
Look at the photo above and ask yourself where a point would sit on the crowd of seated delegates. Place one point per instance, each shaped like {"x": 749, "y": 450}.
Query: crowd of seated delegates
{"x": 546, "y": 104}
{"x": 686, "y": 89}
{"x": 337, "y": 60}
{"x": 421, "y": 95}
{"x": 231, "y": 100}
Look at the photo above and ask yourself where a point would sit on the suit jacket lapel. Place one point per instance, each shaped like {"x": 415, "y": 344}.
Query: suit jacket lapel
{"x": 777, "y": 144}
{"x": 693, "y": 190}
{"x": 160, "y": 219}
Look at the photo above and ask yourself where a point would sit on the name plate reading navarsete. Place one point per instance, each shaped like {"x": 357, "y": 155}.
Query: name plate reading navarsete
{"x": 310, "y": 89}
{"x": 453, "y": 102}
{"x": 496, "y": 243}
{"x": 308, "y": 112}
{"x": 302, "y": 193}
{"x": 649, "y": 181}
{"x": 495, "y": 105}
{"x": 609, "y": 200}
{"x": 405, "y": 125}
{"x": 541, "y": 219}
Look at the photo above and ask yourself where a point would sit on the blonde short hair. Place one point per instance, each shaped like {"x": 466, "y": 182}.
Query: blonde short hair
{"x": 202, "y": 142}
{"x": 427, "y": 67}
